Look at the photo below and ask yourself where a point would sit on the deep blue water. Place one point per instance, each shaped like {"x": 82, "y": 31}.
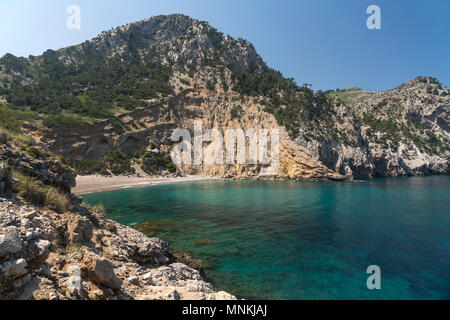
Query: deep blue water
{"x": 302, "y": 240}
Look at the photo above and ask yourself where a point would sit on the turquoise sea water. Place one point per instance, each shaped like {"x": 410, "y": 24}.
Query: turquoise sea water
{"x": 302, "y": 240}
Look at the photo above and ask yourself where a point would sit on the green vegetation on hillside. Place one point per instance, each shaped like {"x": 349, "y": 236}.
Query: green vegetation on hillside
{"x": 62, "y": 121}
{"x": 291, "y": 105}
{"x": 153, "y": 164}
{"x": 92, "y": 86}
{"x": 8, "y": 120}
{"x": 114, "y": 162}
{"x": 236, "y": 112}
{"x": 10, "y": 130}
{"x": 266, "y": 83}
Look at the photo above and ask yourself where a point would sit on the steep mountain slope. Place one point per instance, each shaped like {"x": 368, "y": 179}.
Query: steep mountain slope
{"x": 404, "y": 131}
{"x": 115, "y": 100}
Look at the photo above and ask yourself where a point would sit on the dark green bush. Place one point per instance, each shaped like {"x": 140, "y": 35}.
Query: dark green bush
{"x": 210, "y": 86}
{"x": 118, "y": 162}
{"x": 8, "y": 120}
{"x": 86, "y": 167}
{"x": 155, "y": 164}
{"x": 236, "y": 112}
{"x": 63, "y": 121}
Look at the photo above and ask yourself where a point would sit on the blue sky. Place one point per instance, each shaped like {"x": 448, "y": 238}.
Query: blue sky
{"x": 322, "y": 42}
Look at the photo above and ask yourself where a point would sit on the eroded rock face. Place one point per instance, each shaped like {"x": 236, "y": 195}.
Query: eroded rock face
{"x": 400, "y": 132}
{"x": 360, "y": 152}
{"x": 49, "y": 171}
{"x": 10, "y": 242}
{"x": 100, "y": 271}
{"x": 79, "y": 229}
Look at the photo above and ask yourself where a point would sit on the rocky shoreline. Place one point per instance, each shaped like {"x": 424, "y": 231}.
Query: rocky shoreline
{"x": 49, "y": 256}
{"x": 79, "y": 254}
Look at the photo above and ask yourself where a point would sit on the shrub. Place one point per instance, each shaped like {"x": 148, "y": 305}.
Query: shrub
{"x": 38, "y": 153}
{"x": 235, "y": 112}
{"x": 63, "y": 121}
{"x": 104, "y": 172}
{"x": 22, "y": 141}
{"x": 31, "y": 189}
{"x": 72, "y": 248}
{"x": 4, "y": 136}
{"x": 114, "y": 161}
{"x": 91, "y": 166}
{"x": 210, "y": 86}
{"x": 119, "y": 127}
{"x": 57, "y": 200}
{"x": 185, "y": 82}
{"x": 34, "y": 191}
{"x": 225, "y": 86}
{"x": 154, "y": 164}
{"x": 118, "y": 162}
{"x": 98, "y": 208}
{"x": 7, "y": 119}
{"x": 97, "y": 213}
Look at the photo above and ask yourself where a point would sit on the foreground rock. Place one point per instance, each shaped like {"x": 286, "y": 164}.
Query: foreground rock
{"x": 44, "y": 255}
{"x": 49, "y": 171}
{"x": 82, "y": 255}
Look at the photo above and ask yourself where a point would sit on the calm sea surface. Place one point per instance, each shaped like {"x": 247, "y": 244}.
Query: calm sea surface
{"x": 302, "y": 240}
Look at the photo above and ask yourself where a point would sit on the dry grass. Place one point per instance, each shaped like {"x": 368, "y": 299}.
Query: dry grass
{"x": 30, "y": 189}
{"x": 22, "y": 141}
{"x": 57, "y": 201}
{"x": 97, "y": 213}
{"x": 33, "y": 190}
{"x": 72, "y": 248}
{"x": 99, "y": 209}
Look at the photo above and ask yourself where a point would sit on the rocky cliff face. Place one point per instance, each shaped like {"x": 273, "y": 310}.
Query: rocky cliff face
{"x": 47, "y": 256}
{"x": 130, "y": 87}
{"x": 81, "y": 255}
{"x": 404, "y": 131}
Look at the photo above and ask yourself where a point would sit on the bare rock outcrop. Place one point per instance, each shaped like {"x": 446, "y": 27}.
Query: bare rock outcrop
{"x": 45, "y": 255}
{"x": 100, "y": 271}
{"x": 49, "y": 171}
{"x": 80, "y": 254}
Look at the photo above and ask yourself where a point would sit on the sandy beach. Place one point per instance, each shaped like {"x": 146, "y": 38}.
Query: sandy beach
{"x": 97, "y": 183}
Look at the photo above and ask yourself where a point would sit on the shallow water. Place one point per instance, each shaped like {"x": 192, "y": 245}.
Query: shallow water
{"x": 302, "y": 240}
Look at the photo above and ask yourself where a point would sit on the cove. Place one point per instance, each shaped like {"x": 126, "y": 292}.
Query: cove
{"x": 302, "y": 240}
